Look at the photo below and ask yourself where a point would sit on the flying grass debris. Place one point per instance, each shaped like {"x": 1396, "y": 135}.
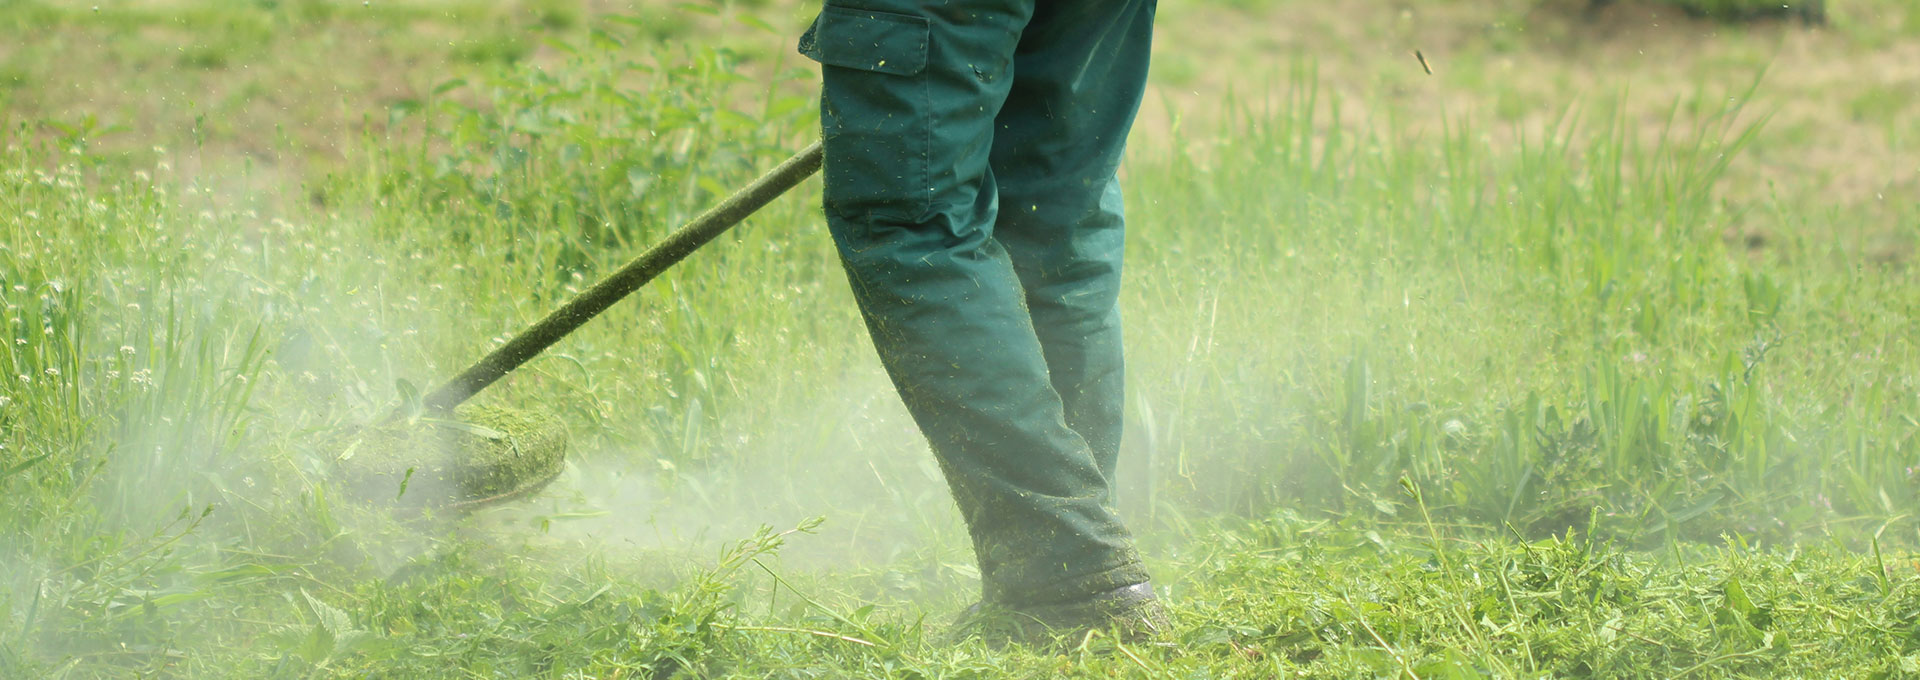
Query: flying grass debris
{"x": 480, "y": 456}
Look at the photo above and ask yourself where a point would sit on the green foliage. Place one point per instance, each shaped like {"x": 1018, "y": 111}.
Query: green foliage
{"x": 587, "y": 151}
{"x": 491, "y": 613}
{"x": 1561, "y": 607}
{"x": 1623, "y": 361}
{"x": 567, "y": 171}
{"x": 503, "y": 47}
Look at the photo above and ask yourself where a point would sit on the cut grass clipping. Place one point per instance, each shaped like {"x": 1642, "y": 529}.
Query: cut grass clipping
{"x": 480, "y": 456}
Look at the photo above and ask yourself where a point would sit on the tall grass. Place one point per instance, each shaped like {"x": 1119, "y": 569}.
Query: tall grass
{"x": 1528, "y": 335}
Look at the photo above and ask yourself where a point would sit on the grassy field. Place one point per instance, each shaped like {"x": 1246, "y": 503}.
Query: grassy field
{"x": 1591, "y": 353}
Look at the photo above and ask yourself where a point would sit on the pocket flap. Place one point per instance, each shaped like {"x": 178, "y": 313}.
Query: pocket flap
{"x": 881, "y": 42}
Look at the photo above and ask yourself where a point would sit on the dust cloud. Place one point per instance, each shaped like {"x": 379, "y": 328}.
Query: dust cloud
{"x": 868, "y": 475}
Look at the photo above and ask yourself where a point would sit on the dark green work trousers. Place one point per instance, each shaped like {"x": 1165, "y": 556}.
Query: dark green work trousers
{"x": 971, "y": 152}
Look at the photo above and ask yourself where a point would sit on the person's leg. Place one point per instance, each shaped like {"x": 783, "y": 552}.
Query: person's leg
{"x": 1079, "y": 74}
{"x": 910, "y": 91}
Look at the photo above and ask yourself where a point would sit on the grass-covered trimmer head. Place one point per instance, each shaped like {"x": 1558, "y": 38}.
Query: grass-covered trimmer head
{"x": 472, "y": 457}
{"x": 465, "y": 457}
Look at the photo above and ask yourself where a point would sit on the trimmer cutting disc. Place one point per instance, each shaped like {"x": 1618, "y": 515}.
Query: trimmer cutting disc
{"x": 479, "y": 456}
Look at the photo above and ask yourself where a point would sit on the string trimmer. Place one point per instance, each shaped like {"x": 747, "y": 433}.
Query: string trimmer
{"x": 435, "y": 452}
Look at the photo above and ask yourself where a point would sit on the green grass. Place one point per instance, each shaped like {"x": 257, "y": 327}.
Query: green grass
{"x": 1421, "y": 393}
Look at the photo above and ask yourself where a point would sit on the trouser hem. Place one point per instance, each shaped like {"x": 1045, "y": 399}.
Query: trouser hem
{"x": 1129, "y": 571}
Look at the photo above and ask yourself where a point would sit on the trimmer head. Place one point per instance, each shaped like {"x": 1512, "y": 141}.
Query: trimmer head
{"x": 479, "y": 456}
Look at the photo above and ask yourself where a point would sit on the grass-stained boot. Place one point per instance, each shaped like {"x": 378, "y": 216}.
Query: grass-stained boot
{"x": 1132, "y": 614}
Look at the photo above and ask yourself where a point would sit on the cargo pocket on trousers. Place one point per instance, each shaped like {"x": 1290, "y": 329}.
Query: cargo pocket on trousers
{"x": 874, "y": 112}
